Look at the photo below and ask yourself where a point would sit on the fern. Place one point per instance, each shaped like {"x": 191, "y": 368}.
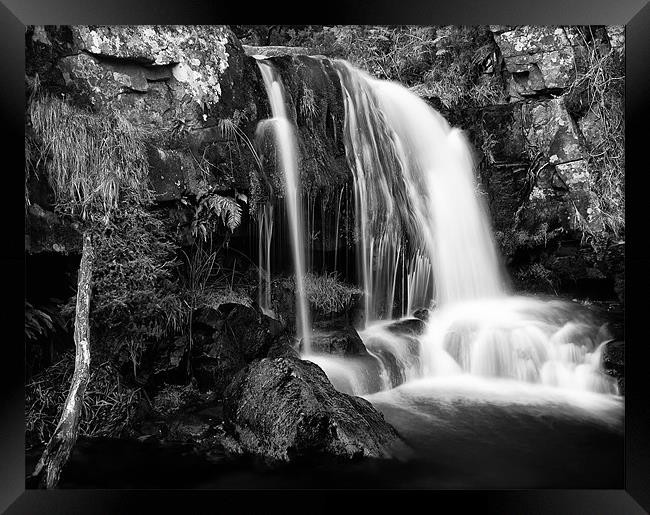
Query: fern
{"x": 212, "y": 206}
{"x": 228, "y": 209}
{"x": 37, "y": 322}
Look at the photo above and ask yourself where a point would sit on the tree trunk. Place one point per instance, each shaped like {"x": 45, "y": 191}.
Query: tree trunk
{"x": 60, "y": 446}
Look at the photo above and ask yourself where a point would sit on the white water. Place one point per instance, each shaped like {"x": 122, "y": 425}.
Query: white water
{"x": 265, "y": 235}
{"x": 286, "y": 141}
{"x": 419, "y": 215}
{"x": 423, "y": 239}
{"x": 413, "y": 181}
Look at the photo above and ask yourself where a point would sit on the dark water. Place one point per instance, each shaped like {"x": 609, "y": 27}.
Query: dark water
{"x": 460, "y": 440}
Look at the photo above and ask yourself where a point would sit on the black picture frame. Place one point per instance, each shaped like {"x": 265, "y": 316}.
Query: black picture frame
{"x": 634, "y": 14}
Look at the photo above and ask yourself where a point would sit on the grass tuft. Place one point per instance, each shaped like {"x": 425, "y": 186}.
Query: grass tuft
{"x": 326, "y": 293}
{"x": 92, "y": 160}
{"x": 108, "y": 405}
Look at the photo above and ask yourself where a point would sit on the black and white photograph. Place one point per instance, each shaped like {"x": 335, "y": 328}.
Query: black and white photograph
{"x": 325, "y": 257}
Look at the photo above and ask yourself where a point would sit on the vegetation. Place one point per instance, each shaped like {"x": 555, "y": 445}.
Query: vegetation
{"x": 443, "y": 62}
{"x": 40, "y": 322}
{"x": 93, "y": 164}
{"x": 603, "y": 85}
{"x": 326, "y": 293}
{"x": 135, "y": 301}
{"x": 108, "y": 407}
{"x": 536, "y": 277}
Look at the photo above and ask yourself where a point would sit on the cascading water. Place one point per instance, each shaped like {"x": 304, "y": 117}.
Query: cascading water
{"x": 286, "y": 141}
{"x": 423, "y": 240}
{"x": 265, "y": 235}
{"x": 413, "y": 180}
{"x": 419, "y": 215}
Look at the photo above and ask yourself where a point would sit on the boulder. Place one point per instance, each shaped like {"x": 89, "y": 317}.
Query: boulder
{"x": 410, "y": 326}
{"x": 422, "y": 313}
{"x": 550, "y": 128}
{"x": 285, "y": 410}
{"x": 343, "y": 341}
{"x": 239, "y": 335}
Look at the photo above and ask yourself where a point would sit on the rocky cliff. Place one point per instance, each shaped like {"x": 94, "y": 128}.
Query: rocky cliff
{"x": 550, "y": 191}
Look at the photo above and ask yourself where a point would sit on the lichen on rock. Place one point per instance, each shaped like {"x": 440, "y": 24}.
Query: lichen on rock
{"x": 197, "y": 54}
{"x": 537, "y": 58}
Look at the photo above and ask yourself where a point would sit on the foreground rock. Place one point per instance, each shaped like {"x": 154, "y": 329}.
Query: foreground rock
{"x": 286, "y": 410}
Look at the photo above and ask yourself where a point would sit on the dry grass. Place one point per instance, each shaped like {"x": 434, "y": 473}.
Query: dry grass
{"x": 308, "y": 108}
{"x": 108, "y": 406}
{"x": 92, "y": 161}
{"x": 326, "y": 293}
{"x": 604, "y": 81}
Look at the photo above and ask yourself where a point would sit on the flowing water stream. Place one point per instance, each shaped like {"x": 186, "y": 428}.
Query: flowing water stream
{"x": 489, "y": 378}
{"x": 424, "y": 240}
{"x": 287, "y": 147}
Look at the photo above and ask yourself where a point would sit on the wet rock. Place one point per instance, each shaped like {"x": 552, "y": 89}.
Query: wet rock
{"x": 422, "y": 313}
{"x": 275, "y": 51}
{"x": 172, "y": 172}
{"x": 411, "y": 326}
{"x": 188, "y": 428}
{"x": 286, "y": 410}
{"x": 283, "y": 348}
{"x": 344, "y": 341}
{"x": 242, "y": 335}
{"x": 209, "y": 318}
{"x": 613, "y": 359}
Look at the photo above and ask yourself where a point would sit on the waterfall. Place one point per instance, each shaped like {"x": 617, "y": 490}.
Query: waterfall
{"x": 421, "y": 223}
{"x": 423, "y": 240}
{"x": 287, "y": 146}
{"x": 414, "y": 182}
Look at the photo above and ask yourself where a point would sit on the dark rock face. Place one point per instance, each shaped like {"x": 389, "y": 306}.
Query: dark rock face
{"x": 411, "y": 326}
{"x": 535, "y": 163}
{"x": 176, "y": 83}
{"x": 46, "y": 232}
{"x": 343, "y": 341}
{"x": 235, "y": 336}
{"x": 286, "y": 410}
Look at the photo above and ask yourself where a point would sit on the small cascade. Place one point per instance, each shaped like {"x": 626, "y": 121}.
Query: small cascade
{"x": 336, "y": 231}
{"x": 286, "y": 141}
{"x": 265, "y": 235}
